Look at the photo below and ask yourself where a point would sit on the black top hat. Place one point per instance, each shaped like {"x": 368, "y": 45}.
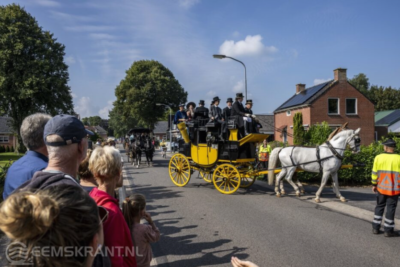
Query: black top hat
{"x": 249, "y": 101}
{"x": 216, "y": 99}
{"x": 201, "y": 102}
{"x": 239, "y": 95}
{"x": 390, "y": 143}
{"x": 229, "y": 100}
{"x": 190, "y": 103}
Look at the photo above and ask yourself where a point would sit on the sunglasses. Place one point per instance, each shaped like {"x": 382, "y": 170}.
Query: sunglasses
{"x": 103, "y": 213}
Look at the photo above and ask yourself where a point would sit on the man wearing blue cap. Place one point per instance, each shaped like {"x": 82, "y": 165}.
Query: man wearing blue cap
{"x": 66, "y": 140}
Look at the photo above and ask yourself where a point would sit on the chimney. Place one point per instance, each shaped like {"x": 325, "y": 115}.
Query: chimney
{"x": 340, "y": 75}
{"x": 300, "y": 87}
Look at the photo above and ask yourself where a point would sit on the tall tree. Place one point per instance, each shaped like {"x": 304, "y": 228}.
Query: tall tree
{"x": 148, "y": 82}
{"x": 92, "y": 121}
{"x": 33, "y": 75}
{"x": 298, "y": 129}
{"x": 361, "y": 83}
{"x": 119, "y": 124}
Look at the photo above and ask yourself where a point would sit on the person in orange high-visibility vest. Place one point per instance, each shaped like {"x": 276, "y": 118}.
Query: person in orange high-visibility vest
{"x": 386, "y": 183}
{"x": 264, "y": 151}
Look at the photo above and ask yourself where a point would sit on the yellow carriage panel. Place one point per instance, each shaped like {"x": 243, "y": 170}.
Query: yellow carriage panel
{"x": 204, "y": 155}
{"x": 253, "y": 138}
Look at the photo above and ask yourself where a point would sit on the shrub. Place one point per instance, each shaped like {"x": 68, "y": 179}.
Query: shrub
{"x": 2, "y": 149}
{"x": 7, "y": 149}
{"x": 12, "y": 149}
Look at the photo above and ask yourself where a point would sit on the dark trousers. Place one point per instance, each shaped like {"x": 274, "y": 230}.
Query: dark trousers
{"x": 390, "y": 202}
{"x": 264, "y": 165}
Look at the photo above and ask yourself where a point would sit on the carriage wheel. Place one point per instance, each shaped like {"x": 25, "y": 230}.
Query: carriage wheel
{"x": 179, "y": 170}
{"x": 207, "y": 176}
{"x": 247, "y": 181}
{"x": 226, "y": 179}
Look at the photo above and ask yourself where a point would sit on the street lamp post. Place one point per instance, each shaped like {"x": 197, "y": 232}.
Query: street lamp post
{"x": 245, "y": 72}
{"x": 170, "y": 124}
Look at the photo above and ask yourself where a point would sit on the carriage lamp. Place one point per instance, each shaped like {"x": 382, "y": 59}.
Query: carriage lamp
{"x": 245, "y": 72}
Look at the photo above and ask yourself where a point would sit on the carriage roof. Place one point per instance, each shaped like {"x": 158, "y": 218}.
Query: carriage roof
{"x": 139, "y": 130}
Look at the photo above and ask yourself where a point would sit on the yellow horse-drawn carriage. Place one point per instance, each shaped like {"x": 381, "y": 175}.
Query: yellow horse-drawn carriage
{"x": 228, "y": 164}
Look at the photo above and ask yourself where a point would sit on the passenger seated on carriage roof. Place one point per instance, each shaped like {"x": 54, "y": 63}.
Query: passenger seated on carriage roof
{"x": 201, "y": 111}
{"x": 180, "y": 115}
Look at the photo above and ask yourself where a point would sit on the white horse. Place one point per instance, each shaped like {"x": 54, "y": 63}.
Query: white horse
{"x": 326, "y": 158}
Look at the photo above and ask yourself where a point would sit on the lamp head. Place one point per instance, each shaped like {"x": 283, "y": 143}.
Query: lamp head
{"x": 219, "y": 56}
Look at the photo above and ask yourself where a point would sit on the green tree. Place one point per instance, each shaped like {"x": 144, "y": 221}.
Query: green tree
{"x": 92, "y": 121}
{"x": 298, "y": 129}
{"x": 119, "y": 124}
{"x": 33, "y": 75}
{"x": 361, "y": 83}
{"x": 148, "y": 82}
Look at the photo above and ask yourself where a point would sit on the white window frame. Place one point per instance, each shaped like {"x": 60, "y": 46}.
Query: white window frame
{"x": 355, "y": 107}
{"x": 338, "y": 105}
{"x": 288, "y": 113}
{"x": 4, "y": 139}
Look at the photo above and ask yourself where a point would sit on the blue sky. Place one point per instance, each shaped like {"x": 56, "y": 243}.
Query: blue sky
{"x": 282, "y": 43}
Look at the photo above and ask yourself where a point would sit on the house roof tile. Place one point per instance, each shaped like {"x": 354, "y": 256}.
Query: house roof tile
{"x": 387, "y": 117}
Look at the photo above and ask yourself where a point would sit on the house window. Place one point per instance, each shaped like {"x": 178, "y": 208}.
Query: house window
{"x": 3, "y": 139}
{"x": 288, "y": 113}
{"x": 351, "y": 106}
{"x": 333, "y": 106}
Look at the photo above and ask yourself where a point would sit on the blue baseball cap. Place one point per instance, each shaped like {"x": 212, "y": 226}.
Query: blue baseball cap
{"x": 67, "y": 127}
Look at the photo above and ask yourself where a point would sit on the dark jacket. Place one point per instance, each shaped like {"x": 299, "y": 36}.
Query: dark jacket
{"x": 238, "y": 110}
{"x": 215, "y": 112}
{"x": 43, "y": 179}
{"x": 226, "y": 113}
{"x": 201, "y": 113}
{"x": 248, "y": 111}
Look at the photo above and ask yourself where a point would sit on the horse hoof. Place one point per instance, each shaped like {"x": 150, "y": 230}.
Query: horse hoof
{"x": 283, "y": 193}
{"x": 317, "y": 200}
{"x": 298, "y": 194}
{"x": 342, "y": 199}
{"x": 278, "y": 195}
{"x": 303, "y": 192}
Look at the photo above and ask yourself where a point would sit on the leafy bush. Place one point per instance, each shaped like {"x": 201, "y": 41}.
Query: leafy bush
{"x": 2, "y": 149}
{"x": 298, "y": 129}
{"x": 3, "y": 173}
{"x": 12, "y": 149}
{"x": 318, "y": 133}
{"x": 7, "y": 149}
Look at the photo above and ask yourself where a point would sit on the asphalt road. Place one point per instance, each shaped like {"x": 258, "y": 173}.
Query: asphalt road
{"x": 202, "y": 227}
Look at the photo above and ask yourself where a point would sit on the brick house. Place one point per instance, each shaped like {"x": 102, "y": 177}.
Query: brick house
{"x": 7, "y": 138}
{"x": 160, "y": 130}
{"x": 335, "y": 101}
{"x": 387, "y": 121}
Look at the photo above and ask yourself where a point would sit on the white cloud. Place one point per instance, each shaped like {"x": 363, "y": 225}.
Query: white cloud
{"x": 84, "y": 107}
{"x": 239, "y": 87}
{"x": 104, "y": 111}
{"x": 69, "y": 60}
{"x": 250, "y": 46}
{"x": 73, "y": 95}
{"x": 69, "y": 17}
{"x": 48, "y": 3}
{"x": 188, "y": 3}
{"x": 211, "y": 93}
{"x": 88, "y": 28}
{"x": 101, "y": 36}
{"x": 318, "y": 81}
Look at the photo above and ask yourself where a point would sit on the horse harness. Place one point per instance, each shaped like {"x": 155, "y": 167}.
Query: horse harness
{"x": 319, "y": 160}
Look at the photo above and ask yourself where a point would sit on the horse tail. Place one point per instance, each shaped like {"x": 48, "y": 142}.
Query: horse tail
{"x": 273, "y": 160}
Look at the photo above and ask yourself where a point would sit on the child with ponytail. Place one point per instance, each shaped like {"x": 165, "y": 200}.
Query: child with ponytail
{"x": 134, "y": 209}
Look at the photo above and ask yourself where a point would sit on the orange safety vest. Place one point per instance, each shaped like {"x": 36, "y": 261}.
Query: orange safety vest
{"x": 386, "y": 174}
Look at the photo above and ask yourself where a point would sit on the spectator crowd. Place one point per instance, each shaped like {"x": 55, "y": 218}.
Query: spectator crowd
{"x": 60, "y": 206}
